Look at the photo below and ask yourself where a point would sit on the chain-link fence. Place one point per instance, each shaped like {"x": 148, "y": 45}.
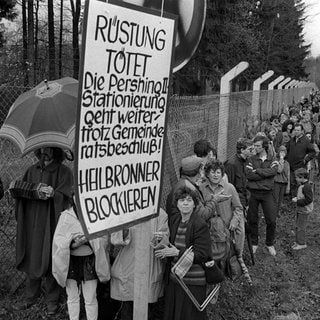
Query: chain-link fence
{"x": 189, "y": 119}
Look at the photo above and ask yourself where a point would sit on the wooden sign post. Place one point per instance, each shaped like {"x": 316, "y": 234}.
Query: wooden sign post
{"x": 126, "y": 65}
{"x": 141, "y": 272}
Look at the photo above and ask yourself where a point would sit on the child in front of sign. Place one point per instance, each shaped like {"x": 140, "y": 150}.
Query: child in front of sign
{"x": 79, "y": 263}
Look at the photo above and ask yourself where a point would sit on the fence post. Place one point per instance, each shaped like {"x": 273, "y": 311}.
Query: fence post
{"x": 284, "y": 82}
{"x": 271, "y": 86}
{"x": 288, "y": 86}
{"x": 283, "y": 93}
{"x": 295, "y": 90}
{"x": 225, "y": 90}
{"x": 256, "y": 92}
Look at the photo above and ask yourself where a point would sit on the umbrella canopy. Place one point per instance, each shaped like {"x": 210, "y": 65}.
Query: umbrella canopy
{"x": 43, "y": 116}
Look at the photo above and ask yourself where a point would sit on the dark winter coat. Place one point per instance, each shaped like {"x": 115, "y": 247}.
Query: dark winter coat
{"x": 235, "y": 170}
{"x": 261, "y": 178}
{"x": 299, "y": 152}
{"x": 37, "y": 219}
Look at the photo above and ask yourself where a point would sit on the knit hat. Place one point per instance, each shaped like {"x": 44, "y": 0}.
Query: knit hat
{"x": 190, "y": 165}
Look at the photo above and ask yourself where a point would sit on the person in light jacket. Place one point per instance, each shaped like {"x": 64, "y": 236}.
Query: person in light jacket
{"x": 76, "y": 260}
{"x": 122, "y": 271}
{"x": 229, "y": 211}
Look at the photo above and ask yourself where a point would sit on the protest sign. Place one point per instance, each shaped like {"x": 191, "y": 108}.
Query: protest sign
{"x": 125, "y": 72}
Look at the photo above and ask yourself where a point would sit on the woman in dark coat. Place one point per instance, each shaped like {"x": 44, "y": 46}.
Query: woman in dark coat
{"x": 186, "y": 229}
{"x": 36, "y": 222}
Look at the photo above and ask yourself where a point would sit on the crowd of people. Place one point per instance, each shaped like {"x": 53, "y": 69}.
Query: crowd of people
{"x": 212, "y": 207}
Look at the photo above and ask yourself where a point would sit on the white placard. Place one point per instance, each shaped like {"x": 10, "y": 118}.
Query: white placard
{"x": 125, "y": 72}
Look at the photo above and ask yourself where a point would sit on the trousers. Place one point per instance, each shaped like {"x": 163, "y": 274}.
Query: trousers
{"x": 89, "y": 289}
{"x": 266, "y": 199}
{"x": 301, "y": 227}
{"x": 53, "y": 290}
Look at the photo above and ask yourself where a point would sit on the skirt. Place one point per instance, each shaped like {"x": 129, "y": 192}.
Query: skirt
{"x": 82, "y": 268}
{"x": 178, "y": 305}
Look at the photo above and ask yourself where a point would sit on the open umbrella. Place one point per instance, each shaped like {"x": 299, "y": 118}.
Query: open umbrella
{"x": 43, "y": 116}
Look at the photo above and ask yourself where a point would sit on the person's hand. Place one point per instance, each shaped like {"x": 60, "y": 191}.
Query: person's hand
{"x": 249, "y": 166}
{"x": 158, "y": 235}
{"x": 78, "y": 241}
{"x": 221, "y": 196}
{"x": 209, "y": 264}
{"x": 47, "y": 191}
{"x": 233, "y": 226}
{"x": 274, "y": 163}
{"x": 168, "y": 251}
{"x": 294, "y": 199}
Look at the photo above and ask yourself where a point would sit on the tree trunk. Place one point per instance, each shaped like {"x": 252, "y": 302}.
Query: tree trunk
{"x": 36, "y": 47}
{"x": 75, "y": 36}
{"x": 52, "y": 55}
{"x": 25, "y": 42}
{"x": 30, "y": 43}
{"x": 60, "y": 39}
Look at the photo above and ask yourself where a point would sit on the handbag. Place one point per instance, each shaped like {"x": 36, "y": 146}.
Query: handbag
{"x": 177, "y": 275}
{"x": 183, "y": 265}
{"x": 213, "y": 273}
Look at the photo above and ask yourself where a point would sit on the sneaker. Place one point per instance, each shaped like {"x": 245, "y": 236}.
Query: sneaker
{"x": 272, "y": 250}
{"x": 299, "y": 246}
{"x": 254, "y": 249}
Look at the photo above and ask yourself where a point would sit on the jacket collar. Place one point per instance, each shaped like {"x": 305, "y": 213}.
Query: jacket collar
{"x": 222, "y": 184}
{"x": 50, "y": 167}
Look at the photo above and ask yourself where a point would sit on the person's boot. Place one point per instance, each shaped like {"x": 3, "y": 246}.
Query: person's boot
{"x": 52, "y": 308}
{"x": 25, "y": 304}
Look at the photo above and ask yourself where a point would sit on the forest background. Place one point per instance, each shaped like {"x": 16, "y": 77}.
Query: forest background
{"x": 43, "y": 41}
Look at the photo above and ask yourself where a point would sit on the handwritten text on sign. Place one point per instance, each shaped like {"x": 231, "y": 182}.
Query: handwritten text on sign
{"x": 125, "y": 81}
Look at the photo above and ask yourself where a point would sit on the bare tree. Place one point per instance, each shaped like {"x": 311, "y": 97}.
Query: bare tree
{"x": 60, "y": 38}
{"x": 36, "y": 40}
{"x": 30, "y": 43}
{"x": 75, "y": 9}
{"x": 52, "y": 51}
{"x": 25, "y": 41}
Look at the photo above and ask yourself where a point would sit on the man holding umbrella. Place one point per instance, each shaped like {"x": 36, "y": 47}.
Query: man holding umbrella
{"x": 42, "y": 119}
{"x": 37, "y": 214}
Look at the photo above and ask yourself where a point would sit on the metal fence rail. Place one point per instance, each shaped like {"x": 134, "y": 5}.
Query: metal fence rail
{"x": 189, "y": 119}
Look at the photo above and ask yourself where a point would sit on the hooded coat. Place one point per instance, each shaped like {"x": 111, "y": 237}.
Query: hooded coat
{"x": 122, "y": 271}
{"x": 67, "y": 229}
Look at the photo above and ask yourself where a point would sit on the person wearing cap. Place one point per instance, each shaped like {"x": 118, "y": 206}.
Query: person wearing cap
{"x": 282, "y": 178}
{"x": 304, "y": 202}
{"x": 190, "y": 176}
